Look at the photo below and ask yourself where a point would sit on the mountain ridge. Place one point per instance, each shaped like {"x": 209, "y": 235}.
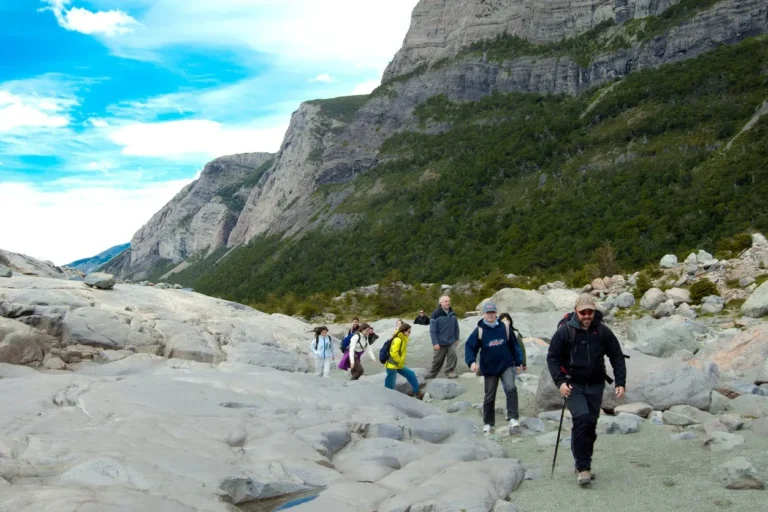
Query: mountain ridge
{"x": 94, "y": 262}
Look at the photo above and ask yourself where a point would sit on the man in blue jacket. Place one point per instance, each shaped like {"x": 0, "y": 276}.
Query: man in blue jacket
{"x": 444, "y": 332}
{"x": 500, "y": 360}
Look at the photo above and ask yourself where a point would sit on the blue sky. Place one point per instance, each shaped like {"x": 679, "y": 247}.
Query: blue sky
{"x": 109, "y": 107}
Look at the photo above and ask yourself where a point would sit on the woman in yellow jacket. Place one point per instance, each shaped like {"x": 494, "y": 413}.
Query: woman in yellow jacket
{"x": 398, "y": 349}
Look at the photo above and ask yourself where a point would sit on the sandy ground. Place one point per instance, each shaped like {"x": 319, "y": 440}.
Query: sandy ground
{"x": 634, "y": 472}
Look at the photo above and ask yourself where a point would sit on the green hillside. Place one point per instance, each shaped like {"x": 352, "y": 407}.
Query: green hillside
{"x": 534, "y": 184}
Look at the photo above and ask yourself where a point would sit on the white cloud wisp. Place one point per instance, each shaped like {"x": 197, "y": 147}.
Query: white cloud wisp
{"x": 101, "y": 23}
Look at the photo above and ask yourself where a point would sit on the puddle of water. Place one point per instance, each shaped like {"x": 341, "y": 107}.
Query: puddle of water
{"x": 284, "y": 502}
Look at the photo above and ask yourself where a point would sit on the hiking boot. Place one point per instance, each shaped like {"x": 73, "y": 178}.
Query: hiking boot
{"x": 452, "y": 375}
{"x": 514, "y": 427}
{"x": 584, "y": 478}
{"x": 487, "y": 430}
{"x": 591, "y": 473}
{"x": 420, "y": 395}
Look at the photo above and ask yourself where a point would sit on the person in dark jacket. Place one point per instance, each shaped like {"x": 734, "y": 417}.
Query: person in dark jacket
{"x": 422, "y": 319}
{"x": 500, "y": 360}
{"x": 444, "y": 332}
{"x": 576, "y": 361}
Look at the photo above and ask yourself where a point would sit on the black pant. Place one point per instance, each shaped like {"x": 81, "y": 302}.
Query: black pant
{"x": 489, "y": 402}
{"x": 584, "y": 404}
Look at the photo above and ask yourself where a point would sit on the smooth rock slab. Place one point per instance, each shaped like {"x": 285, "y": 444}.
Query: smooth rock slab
{"x": 723, "y": 441}
{"x": 5, "y": 271}
{"x": 755, "y": 406}
{"x": 756, "y": 305}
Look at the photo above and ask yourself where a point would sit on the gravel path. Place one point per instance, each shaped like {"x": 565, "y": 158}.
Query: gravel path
{"x": 635, "y": 472}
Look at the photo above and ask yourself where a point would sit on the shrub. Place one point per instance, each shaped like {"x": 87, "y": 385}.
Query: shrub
{"x": 702, "y": 288}
{"x": 605, "y": 257}
{"x": 642, "y": 285}
{"x": 761, "y": 279}
{"x": 732, "y": 246}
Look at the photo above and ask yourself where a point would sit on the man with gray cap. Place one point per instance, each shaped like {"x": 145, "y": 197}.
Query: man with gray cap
{"x": 576, "y": 361}
{"x": 500, "y": 360}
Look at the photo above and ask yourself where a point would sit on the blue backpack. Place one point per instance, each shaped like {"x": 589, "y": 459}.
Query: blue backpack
{"x": 384, "y": 352}
{"x": 344, "y": 346}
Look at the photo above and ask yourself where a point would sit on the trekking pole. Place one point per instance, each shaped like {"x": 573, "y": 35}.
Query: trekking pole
{"x": 557, "y": 444}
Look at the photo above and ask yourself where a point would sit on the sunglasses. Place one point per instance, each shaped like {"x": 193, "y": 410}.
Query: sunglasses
{"x": 587, "y": 312}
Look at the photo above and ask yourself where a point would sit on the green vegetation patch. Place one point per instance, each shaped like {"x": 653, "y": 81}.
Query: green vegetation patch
{"x": 343, "y": 108}
{"x": 229, "y": 195}
{"x": 523, "y": 184}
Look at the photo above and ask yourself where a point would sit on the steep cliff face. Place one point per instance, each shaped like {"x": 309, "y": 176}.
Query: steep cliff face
{"x": 200, "y": 217}
{"x": 333, "y": 141}
{"x": 441, "y": 28}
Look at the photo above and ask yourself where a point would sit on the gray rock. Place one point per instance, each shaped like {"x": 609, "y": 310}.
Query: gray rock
{"x": 624, "y": 423}
{"x": 678, "y": 295}
{"x": 756, "y": 305}
{"x": 562, "y": 299}
{"x": 749, "y": 405}
{"x": 652, "y": 298}
{"x": 723, "y": 441}
{"x": 401, "y": 384}
{"x": 54, "y": 363}
{"x": 675, "y": 418}
{"x": 661, "y": 337}
{"x": 636, "y": 408}
{"x": 683, "y": 436}
{"x": 759, "y": 427}
{"x": 664, "y": 309}
{"x": 550, "y": 439}
{"x": 533, "y": 424}
{"x": 5, "y": 271}
{"x": 758, "y": 240}
{"x": 746, "y": 281}
{"x": 731, "y": 421}
{"x": 705, "y": 259}
{"x": 100, "y": 280}
{"x": 718, "y": 404}
{"x": 668, "y": 261}
{"x": 692, "y": 412}
{"x": 734, "y": 471}
{"x": 459, "y": 407}
{"x": 685, "y": 311}
{"x": 625, "y": 300}
{"x": 712, "y": 304}
{"x": 444, "y": 389}
{"x": 515, "y": 300}
{"x": 691, "y": 264}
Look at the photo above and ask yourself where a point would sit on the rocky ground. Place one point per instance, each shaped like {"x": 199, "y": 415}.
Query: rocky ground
{"x": 126, "y": 397}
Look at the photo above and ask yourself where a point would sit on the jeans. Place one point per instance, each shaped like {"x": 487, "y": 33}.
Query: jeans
{"x": 406, "y": 372}
{"x": 584, "y": 404}
{"x": 510, "y": 389}
{"x": 323, "y": 367}
{"x": 447, "y": 354}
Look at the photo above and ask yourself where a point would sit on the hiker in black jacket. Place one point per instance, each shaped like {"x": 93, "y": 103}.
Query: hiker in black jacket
{"x": 422, "y": 319}
{"x": 576, "y": 361}
{"x": 444, "y": 332}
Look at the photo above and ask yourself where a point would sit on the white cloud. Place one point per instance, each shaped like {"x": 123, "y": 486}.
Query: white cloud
{"x": 195, "y": 137}
{"x": 98, "y": 123}
{"x": 324, "y": 78}
{"x": 101, "y": 165}
{"x": 100, "y": 216}
{"x": 366, "y": 87}
{"x": 77, "y": 19}
{"x": 358, "y": 33}
{"x": 19, "y": 112}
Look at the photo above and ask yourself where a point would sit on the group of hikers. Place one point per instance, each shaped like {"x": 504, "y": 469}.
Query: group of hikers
{"x": 575, "y": 360}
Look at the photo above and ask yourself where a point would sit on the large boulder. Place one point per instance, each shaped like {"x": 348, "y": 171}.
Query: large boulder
{"x": 662, "y": 337}
{"x": 712, "y": 304}
{"x": 742, "y": 356}
{"x": 660, "y": 383}
{"x": 758, "y": 240}
{"x": 652, "y": 298}
{"x": 100, "y": 280}
{"x": 705, "y": 259}
{"x": 5, "y": 271}
{"x": 678, "y": 295}
{"x": 20, "y": 344}
{"x": 756, "y": 305}
{"x": 562, "y": 299}
{"x": 668, "y": 261}
{"x": 755, "y": 406}
{"x": 516, "y": 300}
{"x": 625, "y": 300}
{"x": 444, "y": 389}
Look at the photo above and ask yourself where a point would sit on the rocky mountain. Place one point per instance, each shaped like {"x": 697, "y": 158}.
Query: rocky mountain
{"x": 198, "y": 220}
{"x": 94, "y": 262}
{"x": 336, "y": 152}
{"x": 29, "y": 266}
